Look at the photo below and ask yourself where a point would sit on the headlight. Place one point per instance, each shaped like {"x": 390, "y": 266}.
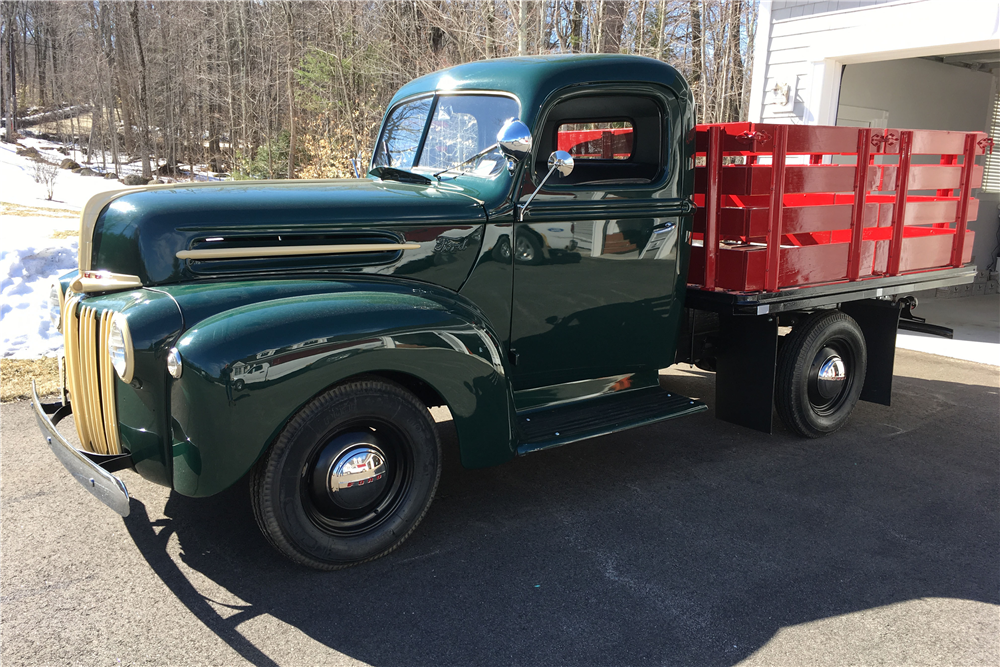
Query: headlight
{"x": 55, "y": 305}
{"x": 120, "y": 347}
{"x": 174, "y": 364}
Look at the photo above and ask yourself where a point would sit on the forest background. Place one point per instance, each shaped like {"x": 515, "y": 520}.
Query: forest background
{"x": 280, "y": 89}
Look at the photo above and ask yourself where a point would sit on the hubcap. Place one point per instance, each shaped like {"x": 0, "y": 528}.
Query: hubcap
{"x": 525, "y": 252}
{"x": 357, "y": 477}
{"x": 831, "y": 376}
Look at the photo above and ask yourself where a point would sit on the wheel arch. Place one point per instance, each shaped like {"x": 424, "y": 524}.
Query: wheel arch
{"x": 441, "y": 351}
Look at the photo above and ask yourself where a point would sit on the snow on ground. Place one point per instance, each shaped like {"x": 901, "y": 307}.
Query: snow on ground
{"x": 17, "y": 184}
{"x": 38, "y": 241}
{"x": 32, "y": 254}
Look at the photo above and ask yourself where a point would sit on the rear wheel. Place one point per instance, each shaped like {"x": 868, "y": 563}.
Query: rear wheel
{"x": 821, "y": 371}
{"x": 350, "y": 477}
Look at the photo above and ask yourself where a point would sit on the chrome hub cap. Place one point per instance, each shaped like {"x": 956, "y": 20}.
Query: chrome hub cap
{"x": 830, "y": 377}
{"x": 357, "y": 477}
{"x": 525, "y": 252}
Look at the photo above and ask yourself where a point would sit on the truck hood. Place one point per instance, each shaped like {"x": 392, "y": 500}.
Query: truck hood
{"x": 176, "y": 233}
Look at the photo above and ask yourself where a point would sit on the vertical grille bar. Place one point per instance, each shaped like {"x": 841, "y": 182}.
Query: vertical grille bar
{"x": 90, "y": 377}
{"x": 108, "y": 388}
{"x": 74, "y": 369}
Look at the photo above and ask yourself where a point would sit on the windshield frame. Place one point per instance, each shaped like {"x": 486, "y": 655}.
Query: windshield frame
{"x": 435, "y": 96}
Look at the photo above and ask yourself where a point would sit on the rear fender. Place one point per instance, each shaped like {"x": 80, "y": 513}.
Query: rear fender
{"x": 248, "y": 370}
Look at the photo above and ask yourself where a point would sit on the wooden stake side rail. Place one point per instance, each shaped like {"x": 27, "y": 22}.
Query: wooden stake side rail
{"x": 785, "y": 206}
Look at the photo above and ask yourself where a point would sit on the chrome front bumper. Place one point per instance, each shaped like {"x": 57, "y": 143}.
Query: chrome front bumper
{"x": 102, "y": 484}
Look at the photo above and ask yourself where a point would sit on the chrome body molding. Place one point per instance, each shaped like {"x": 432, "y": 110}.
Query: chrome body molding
{"x": 294, "y": 251}
{"x": 99, "y": 482}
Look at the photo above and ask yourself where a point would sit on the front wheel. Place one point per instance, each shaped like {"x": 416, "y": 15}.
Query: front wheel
{"x": 350, "y": 477}
{"x": 821, "y": 371}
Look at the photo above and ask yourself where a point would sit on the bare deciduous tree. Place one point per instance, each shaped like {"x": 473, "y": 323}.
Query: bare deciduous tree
{"x": 287, "y": 89}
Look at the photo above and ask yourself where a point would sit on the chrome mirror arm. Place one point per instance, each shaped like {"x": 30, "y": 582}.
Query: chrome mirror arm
{"x": 560, "y": 161}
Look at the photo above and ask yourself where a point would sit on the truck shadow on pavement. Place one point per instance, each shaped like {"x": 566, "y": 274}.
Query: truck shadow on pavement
{"x": 688, "y": 542}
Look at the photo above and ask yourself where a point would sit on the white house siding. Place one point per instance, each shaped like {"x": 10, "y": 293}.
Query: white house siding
{"x": 804, "y": 45}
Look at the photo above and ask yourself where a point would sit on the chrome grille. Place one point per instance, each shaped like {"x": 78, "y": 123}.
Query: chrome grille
{"x": 90, "y": 377}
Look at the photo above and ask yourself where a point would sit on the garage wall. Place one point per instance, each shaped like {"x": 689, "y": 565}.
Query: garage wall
{"x": 923, "y": 94}
{"x": 800, "y": 47}
{"x": 920, "y": 94}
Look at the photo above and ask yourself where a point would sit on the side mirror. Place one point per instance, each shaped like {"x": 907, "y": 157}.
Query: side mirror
{"x": 562, "y": 162}
{"x": 514, "y": 140}
{"x": 559, "y": 161}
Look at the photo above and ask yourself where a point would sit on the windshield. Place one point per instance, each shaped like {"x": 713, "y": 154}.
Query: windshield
{"x": 460, "y": 126}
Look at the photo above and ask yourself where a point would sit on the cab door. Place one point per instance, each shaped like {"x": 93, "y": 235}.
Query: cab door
{"x": 597, "y": 262}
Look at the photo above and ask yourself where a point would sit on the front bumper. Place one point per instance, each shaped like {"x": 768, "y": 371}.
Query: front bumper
{"x": 85, "y": 467}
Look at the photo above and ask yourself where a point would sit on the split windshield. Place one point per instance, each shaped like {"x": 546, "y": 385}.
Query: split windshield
{"x": 460, "y": 126}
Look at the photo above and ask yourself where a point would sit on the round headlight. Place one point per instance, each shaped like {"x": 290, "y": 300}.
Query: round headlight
{"x": 120, "y": 347}
{"x": 55, "y": 305}
{"x": 174, "y": 364}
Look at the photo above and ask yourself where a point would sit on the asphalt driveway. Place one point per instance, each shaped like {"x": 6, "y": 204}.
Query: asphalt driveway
{"x": 691, "y": 542}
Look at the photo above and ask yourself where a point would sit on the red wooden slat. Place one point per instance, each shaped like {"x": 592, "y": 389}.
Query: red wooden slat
{"x": 938, "y": 142}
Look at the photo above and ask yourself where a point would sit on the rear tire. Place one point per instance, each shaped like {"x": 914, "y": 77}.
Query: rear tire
{"x": 820, "y": 374}
{"x": 350, "y": 476}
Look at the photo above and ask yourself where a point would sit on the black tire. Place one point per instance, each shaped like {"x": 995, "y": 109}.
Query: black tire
{"x": 352, "y": 430}
{"x": 239, "y": 384}
{"x": 807, "y": 403}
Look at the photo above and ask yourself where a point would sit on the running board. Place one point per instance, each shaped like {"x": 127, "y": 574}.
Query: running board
{"x": 553, "y": 427}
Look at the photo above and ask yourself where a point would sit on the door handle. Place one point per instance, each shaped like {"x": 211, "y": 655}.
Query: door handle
{"x": 665, "y": 227}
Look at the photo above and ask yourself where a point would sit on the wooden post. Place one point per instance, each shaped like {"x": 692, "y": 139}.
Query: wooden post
{"x": 776, "y": 211}
{"x": 713, "y": 204}
{"x": 860, "y": 199}
{"x": 899, "y": 210}
{"x": 965, "y": 192}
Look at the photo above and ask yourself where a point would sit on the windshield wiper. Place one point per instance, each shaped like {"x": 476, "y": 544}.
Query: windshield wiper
{"x": 462, "y": 164}
{"x": 387, "y": 173}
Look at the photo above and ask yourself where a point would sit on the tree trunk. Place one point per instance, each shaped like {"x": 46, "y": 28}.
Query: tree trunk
{"x": 735, "y": 96}
{"x": 522, "y": 28}
{"x": 697, "y": 61}
{"x": 612, "y": 23}
{"x": 147, "y": 172}
{"x": 576, "y": 26}
{"x": 291, "y": 91}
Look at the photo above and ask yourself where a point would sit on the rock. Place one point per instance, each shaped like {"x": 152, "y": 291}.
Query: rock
{"x": 87, "y": 171}
{"x": 68, "y": 164}
{"x": 64, "y": 151}
{"x": 77, "y": 169}
{"x": 111, "y": 175}
{"x": 29, "y": 152}
{"x": 133, "y": 179}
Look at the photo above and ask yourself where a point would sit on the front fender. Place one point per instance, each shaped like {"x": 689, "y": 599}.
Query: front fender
{"x": 248, "y": 370}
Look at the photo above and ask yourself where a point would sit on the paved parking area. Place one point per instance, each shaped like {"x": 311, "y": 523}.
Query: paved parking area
{"x": 691, "y": 542}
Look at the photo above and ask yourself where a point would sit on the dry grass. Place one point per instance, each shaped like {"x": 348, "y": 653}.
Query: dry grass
{"x": 65, "y": 234}
{"x": 16, "y": 376}
{"x": 6, "y": 208}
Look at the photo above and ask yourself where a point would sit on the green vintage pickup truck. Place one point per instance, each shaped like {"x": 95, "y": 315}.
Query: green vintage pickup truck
{"x": 518, "y": 252}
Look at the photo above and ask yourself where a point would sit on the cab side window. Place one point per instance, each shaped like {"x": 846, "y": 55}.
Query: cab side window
{"x": 614, "y": 140}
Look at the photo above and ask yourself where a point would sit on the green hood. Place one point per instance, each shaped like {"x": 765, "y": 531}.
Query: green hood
{"x": 140, "y": 233}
